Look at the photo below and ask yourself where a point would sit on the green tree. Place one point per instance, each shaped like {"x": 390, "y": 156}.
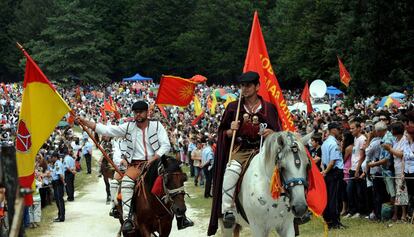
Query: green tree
{"x": 72, "y": 46}
{"x": 7, "y": 45}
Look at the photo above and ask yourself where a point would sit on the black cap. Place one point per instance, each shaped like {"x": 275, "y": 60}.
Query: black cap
{"x": 333, "y": 125}
{"x": 140, "y": 106}
{"x": 249, "y": 77}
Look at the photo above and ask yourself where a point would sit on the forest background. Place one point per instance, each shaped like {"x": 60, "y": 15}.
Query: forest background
{"x": 94, "y": 41}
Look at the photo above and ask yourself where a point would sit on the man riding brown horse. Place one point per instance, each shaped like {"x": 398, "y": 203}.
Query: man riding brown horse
{"x": 146, "y": 141}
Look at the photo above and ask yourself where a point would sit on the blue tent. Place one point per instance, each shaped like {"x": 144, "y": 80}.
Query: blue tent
{"x": 331, "y": 90}
{"x": 137, "y": 77}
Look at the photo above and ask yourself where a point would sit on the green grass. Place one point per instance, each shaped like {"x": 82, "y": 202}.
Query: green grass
{"x": 50, "y": 211}
{"x": 314, "y": 228}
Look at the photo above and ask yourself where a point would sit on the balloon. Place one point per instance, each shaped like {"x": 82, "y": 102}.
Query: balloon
{"x": 317, "y": 89}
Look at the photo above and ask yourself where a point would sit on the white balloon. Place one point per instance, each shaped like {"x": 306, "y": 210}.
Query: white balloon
{"x": 83, "y": 98}
{"x": 317, "y": 88}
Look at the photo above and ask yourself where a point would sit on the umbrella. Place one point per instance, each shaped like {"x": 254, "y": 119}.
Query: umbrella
{"x": 387, "y": 101}
{"x": 219, "y": 92}
{"x": 397, "y": 95}
{"x": 63, "y": 124}
{"x": 224, "y": 97}
{"x": 331, "y": 90}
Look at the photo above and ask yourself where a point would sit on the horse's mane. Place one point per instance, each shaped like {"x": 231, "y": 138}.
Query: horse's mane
{"x": 172, "y": 165}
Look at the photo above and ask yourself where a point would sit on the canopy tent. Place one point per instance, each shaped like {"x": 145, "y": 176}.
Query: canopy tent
{"x": 137, "y": 77}
{"x": 331, "y": 90}
{"x": 397, "y": 95}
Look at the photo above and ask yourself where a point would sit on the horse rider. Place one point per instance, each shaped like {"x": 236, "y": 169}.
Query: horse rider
{"x": 58, "y": 183}
{"x": 146, "y": 141}
{"x": 254, "y": 114}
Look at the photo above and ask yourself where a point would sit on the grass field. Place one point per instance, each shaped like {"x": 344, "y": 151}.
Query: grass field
{"x": 356, "y": 227}
{"x": 50, "y": 212}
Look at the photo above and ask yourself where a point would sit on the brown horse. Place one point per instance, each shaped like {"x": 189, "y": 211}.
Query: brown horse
{"x": 151, "y": 213}
{"x": 107, "y": 173}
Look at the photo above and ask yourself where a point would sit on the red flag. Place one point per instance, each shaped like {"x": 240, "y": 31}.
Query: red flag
{"x": 175, "y": 91}
{"x": 107, "y": 106}
{"x": 343, "y": 73}
{"x": 257, "y": 60}
{"x": 306, "y": 98}
{"x": 163, "y": 112}
{"x": 103, "y": 114}
{"x": 78, "y": 94}
{"x": 316, "y": 197}
{"x": 6, "y": 92}
{"x": 196, "y": 120}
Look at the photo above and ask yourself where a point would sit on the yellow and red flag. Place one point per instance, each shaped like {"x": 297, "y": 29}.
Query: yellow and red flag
{"x": 197, "y": 106}
{"x": 343, "y": 73}
{"x": 213, "y": 104}
{"x": 228, "y": 100}
{"x": 175, "y": 91}
{"x": 257, "y": 59}
{"x": 41, "y": 110}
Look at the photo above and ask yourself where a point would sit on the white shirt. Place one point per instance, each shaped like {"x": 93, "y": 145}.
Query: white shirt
{"x": 142, "y": 149}
{"x": 356, "y": 151}
{"x": 409, "y": 159}
{"x": 399, "y": 146}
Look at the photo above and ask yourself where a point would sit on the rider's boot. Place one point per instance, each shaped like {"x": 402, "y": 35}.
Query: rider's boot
{"x": 231, "y": 176}
{"x": 183, "y": 222}
{"x": 127, "y": 190}
{"x": 114, "y": 186}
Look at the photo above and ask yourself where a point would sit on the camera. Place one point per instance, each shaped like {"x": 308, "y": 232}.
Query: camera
{"x": 369, "y": 128}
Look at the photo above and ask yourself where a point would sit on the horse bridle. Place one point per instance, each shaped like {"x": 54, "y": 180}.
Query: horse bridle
{"x": 171, "y": 193}
{"x": 292, "y": 182}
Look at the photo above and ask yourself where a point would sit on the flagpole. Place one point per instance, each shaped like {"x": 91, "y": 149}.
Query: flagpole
{"x": 233, "y": 135}
{"x": 105, "y": 155}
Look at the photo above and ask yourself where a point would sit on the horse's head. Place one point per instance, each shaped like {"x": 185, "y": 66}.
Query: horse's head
{"x": 288, "y": 154}
{"x": 173, "y": 183}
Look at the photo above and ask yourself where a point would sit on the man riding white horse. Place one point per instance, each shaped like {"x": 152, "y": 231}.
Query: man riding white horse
{"x": 254, "y": 113}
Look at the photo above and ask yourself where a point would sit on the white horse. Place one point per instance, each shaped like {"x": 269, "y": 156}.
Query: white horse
{"x": 281, "y": 149}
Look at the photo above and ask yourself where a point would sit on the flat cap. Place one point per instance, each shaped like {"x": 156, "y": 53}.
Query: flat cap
{"x": 333, "y": 125}
{"x": 249, "y": 77}
{"x": 140, "y": 106}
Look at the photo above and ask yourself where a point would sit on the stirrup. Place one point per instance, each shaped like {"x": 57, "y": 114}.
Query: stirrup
{"x": 128, "y": 226}
{"x": 228, "y": 220}
{"x": 114, "y": 213}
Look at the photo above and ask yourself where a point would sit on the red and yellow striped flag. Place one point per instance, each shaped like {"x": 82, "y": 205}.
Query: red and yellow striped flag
{"x": 41, "y": 110}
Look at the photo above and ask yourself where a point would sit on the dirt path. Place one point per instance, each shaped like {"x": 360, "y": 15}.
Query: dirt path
{"x": 88, "y": 216}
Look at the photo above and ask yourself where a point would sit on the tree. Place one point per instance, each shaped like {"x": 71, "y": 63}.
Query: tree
{"x": 72, "y": 46}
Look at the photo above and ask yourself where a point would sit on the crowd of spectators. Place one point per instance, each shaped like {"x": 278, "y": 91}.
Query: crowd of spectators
{"x": 376, "y": 143}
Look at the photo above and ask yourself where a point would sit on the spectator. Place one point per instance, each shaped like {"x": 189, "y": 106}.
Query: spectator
{"x": 356, "y": 186}
{"x": 196, "y": 156}
{"x": 347, "y": 144}
{"x": 87, "y": 153}
{"x": 333, "y": 171}
{"x": 207, "y": 165}
{"x": 397, "y": 151}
